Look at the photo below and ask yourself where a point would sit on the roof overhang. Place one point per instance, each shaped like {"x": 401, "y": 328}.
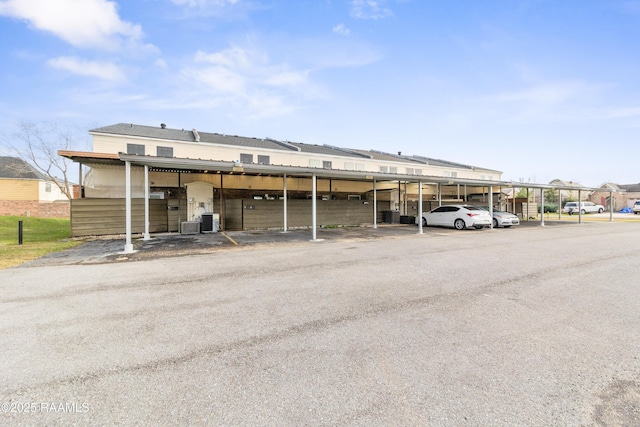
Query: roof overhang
{"x": 175, "y": 164}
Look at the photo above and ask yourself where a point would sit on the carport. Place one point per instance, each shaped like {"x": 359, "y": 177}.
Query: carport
{"x": 177, "y": 165}
{"x": 313, "y": 173}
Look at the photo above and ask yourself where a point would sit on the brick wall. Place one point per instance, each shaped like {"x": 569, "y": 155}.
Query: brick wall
{"x": 59, "y": 209}
{"x": 19, "y": 207}
{"x": 34, "y": 208}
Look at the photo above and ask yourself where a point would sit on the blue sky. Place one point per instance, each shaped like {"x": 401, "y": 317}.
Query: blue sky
{"x": 534, "y": 88}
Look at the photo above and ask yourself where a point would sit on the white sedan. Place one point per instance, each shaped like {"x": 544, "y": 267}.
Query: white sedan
{"x": 459, "y": 217}
{"x": 502, "y": 218}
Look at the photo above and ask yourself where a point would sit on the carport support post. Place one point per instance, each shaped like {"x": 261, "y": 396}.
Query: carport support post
{"x": 146, "y": 203}
{"x": 313, "y": 205}
{"x": 559, "y": 204}
{"x": 420, "y": 231}
{"x": 542, "y": 207}
{"x": 610, "y": 206}
{"x": 80, "y": 180}
{"x": 284, "y": 196}
{"x": 128, "y": 247}
{"x": 579, "y": 207}
{"x": 375, "y": 205}
{"x": 491, "y": 205}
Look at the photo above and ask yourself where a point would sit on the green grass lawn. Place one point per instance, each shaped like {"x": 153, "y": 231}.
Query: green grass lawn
{"x": 40, "y": 236}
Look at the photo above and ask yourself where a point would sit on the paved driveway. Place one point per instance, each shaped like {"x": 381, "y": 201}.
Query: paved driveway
{"x": 530, "y": 326}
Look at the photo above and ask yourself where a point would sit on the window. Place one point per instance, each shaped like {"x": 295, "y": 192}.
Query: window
{"x": 315, "y": 163}
{"x": 418, "y": 171}
{"x": 135, "y": 149}
{"x": 410, "y": 171}
{"x": 354, "y": 197}
{"x": 246, "y": 158}
{"x": 359, "y": 166}
{"x": 454, "y": 174}
{"x": 393, "y": 169}
{"x": 326, "y": 164}
{"x": 47, "y": 187}
{"x": 349, "y": 166}
{"x": 164, "y": 151}
{"x": 263, "y": 160}
{"x": 384, "y": 169}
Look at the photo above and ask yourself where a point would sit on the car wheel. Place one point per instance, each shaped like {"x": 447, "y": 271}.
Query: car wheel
{"x": 459, "y": 224}
{"x": 600, "y": 210}
{"x": 424, "y": 222}
{"x": 495, "y": 223}
{"x": 583, "y": 212}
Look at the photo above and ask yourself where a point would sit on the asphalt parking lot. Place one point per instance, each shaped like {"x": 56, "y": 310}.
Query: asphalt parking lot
{"x": 531, "y": 326}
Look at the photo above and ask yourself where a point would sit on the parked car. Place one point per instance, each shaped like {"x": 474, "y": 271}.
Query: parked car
{"x": 502, "y": 218}
{"x": 585, "y": 207}
{"x": 459, "y": 217}
{"x": 636, "y": 207}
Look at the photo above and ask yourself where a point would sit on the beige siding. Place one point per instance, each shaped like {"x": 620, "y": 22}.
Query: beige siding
{"x": 107, "y": 216}
{"x": 182, "y": 149}
{"x": 19, "y": 189}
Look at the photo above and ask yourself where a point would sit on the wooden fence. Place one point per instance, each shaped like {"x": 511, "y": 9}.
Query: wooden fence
{"x": 96, "y": 217}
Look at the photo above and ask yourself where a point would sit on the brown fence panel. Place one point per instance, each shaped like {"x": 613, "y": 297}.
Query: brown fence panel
{"x": 266, "y": 214}
{"x": 95, "y": 217}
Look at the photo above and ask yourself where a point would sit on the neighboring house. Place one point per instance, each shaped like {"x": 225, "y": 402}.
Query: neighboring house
{"x": 571, "y": 191}
{"x": 24, "y": 191}
{"x": 624, "y": 195}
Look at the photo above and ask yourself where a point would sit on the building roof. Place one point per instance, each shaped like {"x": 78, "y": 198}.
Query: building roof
{"x": 629, "y": 188}
{"x": 160, "y": 132}
{"x": 163, "y": 132}
{"x": 16, "y": 168}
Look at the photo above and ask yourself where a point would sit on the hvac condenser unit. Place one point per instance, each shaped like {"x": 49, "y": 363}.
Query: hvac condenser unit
{"x": 210, "y": 222}
{"x": 190, "y": 227}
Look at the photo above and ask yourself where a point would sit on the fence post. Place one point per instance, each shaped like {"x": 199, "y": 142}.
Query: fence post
{"x": 20, "y": 232}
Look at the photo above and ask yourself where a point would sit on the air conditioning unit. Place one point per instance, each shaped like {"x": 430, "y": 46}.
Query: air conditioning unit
{"x": 210, "y": 222}
{"x": 190, "y": 227}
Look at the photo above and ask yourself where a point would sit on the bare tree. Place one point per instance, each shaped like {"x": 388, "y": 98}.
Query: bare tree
{"x": 38, "y": 145}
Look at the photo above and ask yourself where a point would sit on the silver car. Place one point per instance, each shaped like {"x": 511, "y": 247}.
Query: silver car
{"x": 584, "y": 207}
{"x": 504, "y": 219}
{"x": 459, "y": 217}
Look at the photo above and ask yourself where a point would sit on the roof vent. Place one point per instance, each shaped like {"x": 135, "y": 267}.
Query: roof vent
{"x": 399, "y": 153}
{"x": 163, "y": 126}
{"x": 196, "y": 136}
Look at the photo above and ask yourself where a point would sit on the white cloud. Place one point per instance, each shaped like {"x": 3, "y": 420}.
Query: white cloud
{"x": 369, "y": 9}
{"x": 204, "y": 3}
{"x": 631, "y": 112}
{"x": 102, "y": 70}
{"x": 545, "y": 93}
{"x": 84, "y": 23}
{"x": 246, "y": 80}
{"x": 341, "y": 29}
